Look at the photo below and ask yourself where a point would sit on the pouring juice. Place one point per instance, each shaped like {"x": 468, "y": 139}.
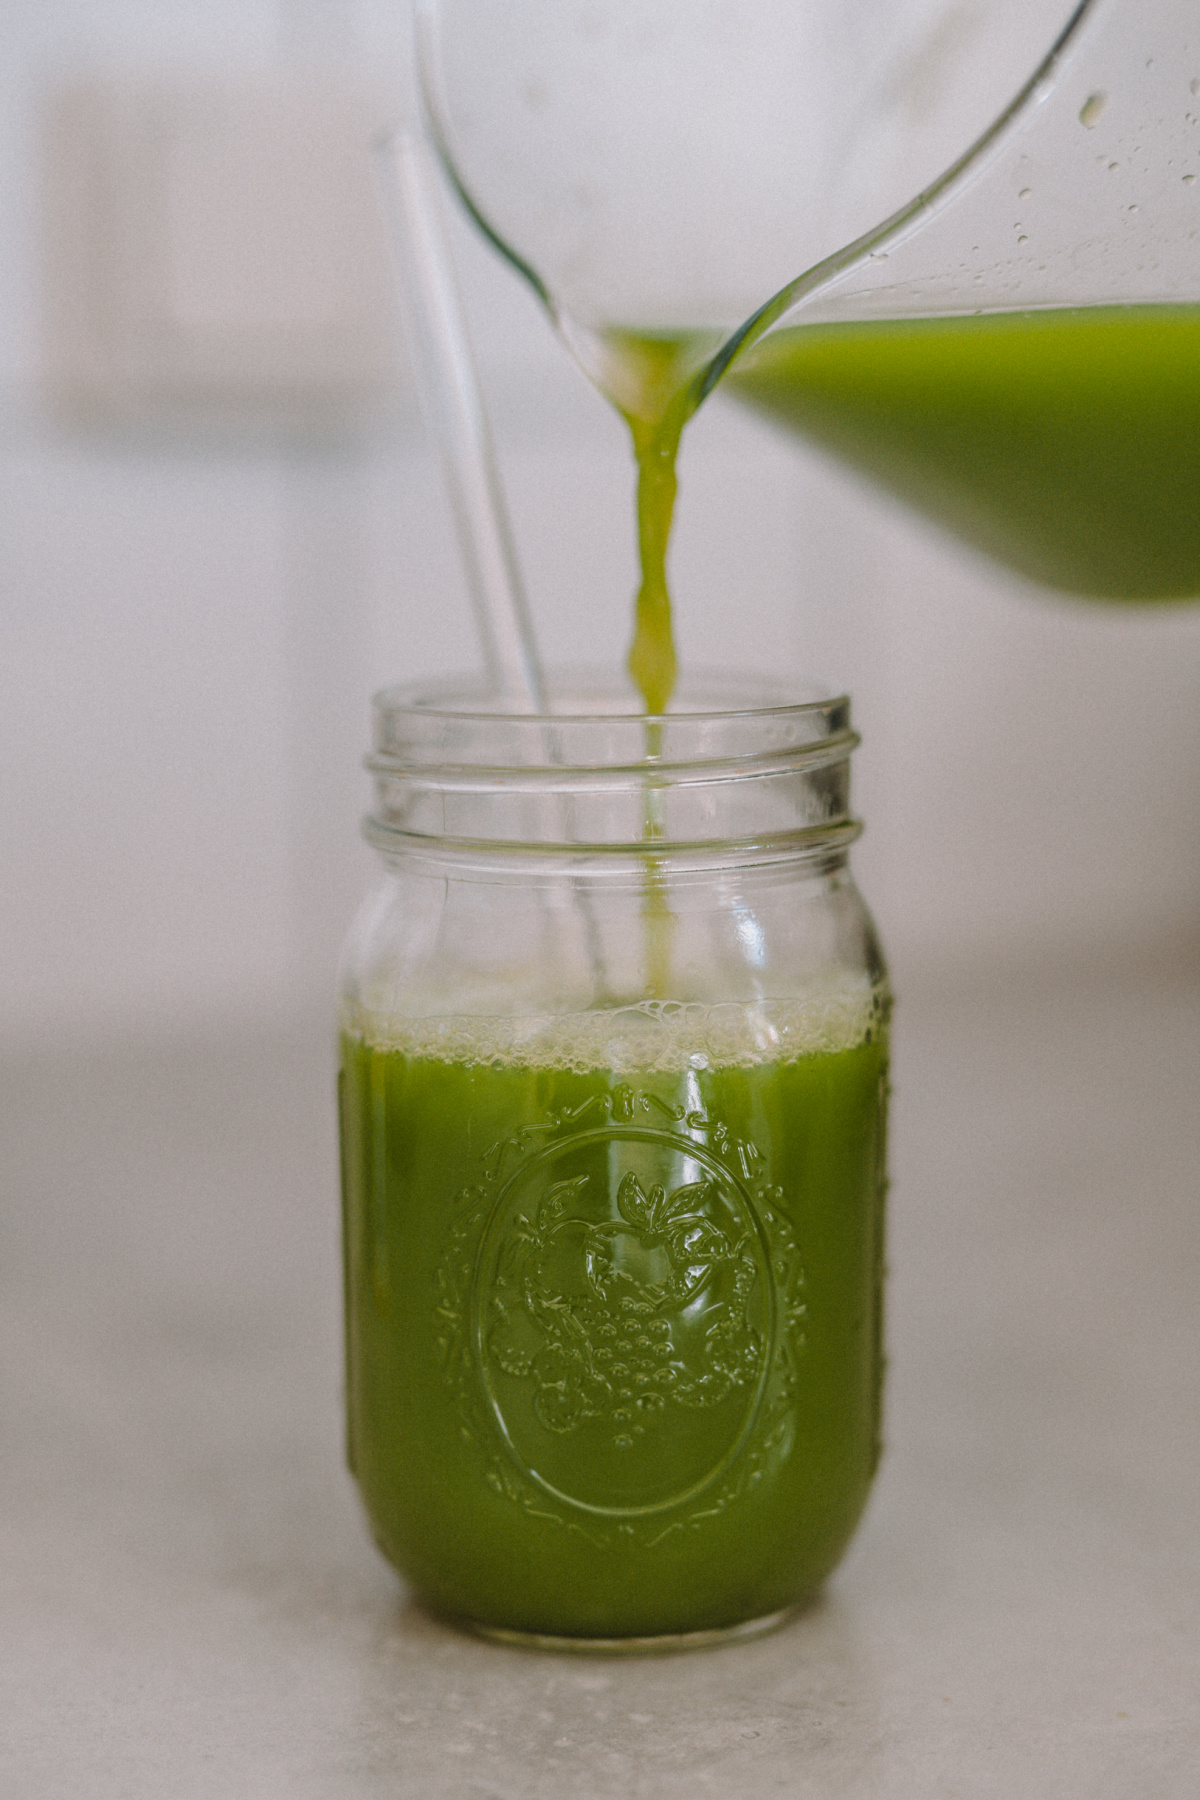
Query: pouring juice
{"x": 615, "y": 1023}
{"x": 614, "y": 1275}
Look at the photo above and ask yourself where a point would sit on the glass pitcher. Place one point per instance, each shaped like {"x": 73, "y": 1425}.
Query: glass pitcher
{"x": 955, "y": 244}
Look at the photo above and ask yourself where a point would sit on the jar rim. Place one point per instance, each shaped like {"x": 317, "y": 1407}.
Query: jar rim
{"x": 702, "y": 694}
{"x": 751, "y": 768}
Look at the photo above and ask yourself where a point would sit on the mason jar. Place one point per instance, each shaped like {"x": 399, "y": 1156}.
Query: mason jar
{"x": 613, "y": 1091}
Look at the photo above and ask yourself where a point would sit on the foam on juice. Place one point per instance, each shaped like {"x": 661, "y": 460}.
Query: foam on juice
{"x": 649, "y": 1037}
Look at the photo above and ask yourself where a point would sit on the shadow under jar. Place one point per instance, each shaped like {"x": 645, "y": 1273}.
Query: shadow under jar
{"x": 613, "y": 1091}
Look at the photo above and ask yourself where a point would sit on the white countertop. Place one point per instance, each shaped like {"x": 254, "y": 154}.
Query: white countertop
{"x": 190, "y": 1604}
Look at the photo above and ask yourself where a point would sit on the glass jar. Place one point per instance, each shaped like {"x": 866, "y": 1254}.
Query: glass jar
{"x": 613, "y": 1088}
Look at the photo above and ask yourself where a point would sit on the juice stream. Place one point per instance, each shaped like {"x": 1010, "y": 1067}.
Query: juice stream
{"x": 652, "y": 375}
{"x": 652, "y": 380}
{"x": 653, "y": 665}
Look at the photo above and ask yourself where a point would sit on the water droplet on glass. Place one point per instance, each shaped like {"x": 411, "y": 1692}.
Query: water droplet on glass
{"x": 1089, "y": 112}
{"x": 1113, "y": 166}
{"x": 1023, "y": 239}
{"x": 1024, "y": 193}
{"x": 1188, "y": 180}
{"x": 1133, "y": 208}
{"x": 1196, "y": 86}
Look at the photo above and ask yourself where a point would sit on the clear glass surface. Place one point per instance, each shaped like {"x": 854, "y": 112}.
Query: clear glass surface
{"x": 954, "y": 246}
{"x": 674, "y": 168}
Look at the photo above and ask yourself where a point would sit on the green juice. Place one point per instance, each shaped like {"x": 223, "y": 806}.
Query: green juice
{"x": 658, "y": 398}
{"x": 1065, "y": 443}
{"x": 613, "y": 1331}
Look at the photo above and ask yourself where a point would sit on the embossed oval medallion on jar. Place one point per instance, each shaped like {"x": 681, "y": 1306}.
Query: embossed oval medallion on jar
{"x": 623, "y": 1318}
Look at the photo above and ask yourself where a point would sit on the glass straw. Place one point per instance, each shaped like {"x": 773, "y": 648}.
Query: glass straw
{"x": 452, "y": 404}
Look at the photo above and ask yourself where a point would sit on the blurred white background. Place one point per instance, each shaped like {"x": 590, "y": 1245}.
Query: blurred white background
{"x": 203, "y": 583}
{"x": 220, "y": 528}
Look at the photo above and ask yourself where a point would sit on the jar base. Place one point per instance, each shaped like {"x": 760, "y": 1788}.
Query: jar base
{"x": 661, "y": 1645}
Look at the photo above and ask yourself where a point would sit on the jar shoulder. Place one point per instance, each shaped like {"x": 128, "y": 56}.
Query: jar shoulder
{"x": 425, "y": 943}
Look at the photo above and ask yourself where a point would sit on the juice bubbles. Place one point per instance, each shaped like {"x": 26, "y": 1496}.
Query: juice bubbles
{"x": 614, "y": 1309}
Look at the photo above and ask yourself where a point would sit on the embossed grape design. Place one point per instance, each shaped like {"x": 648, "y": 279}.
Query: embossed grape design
{"x": 618, "y": 1321}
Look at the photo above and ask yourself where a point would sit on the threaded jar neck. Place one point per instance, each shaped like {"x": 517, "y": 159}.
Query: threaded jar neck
{"x": 734, "y": 767}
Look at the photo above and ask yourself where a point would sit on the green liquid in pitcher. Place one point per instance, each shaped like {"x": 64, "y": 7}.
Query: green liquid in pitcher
{"x": 613, "y": 1312}
{"x": 1065, "y": 443}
